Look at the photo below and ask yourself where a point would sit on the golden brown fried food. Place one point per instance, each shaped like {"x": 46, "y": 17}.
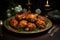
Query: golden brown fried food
{"x": 22, "y": 24}
{"x": 32, "y": 17}
{"x": 41, "y": 24}
{"x": 28, "y": 21}
{"x": 31, "y": 26}
{"x": 42, "y": 18}
{"x": 20, "y": 16}
{"x": 13, "y": 22}
{"x": 26, "y": 29}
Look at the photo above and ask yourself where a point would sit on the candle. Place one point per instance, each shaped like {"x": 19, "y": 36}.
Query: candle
{"x": 47, "y": 5}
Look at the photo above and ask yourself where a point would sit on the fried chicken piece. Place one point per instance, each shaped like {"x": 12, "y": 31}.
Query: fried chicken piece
{"x": 22, "y": 24}
{"x": 13, "y": 22}
{"x": 42, "y": 18}
{"x": 41, "y": 24}
{"x": 32, "y": 17}
{"x": 31, "y": 26}
{"x": 20, "y": 16}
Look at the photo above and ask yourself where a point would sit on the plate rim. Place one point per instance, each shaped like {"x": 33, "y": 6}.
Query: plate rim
{"x": 39, "y": 31}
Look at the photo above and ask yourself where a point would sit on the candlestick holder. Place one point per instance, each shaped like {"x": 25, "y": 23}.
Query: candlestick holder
{"x": 29, "y": 4}
{"x": 47, "y": 6}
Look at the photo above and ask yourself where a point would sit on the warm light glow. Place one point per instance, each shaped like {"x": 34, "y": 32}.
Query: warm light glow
{"x": 1, "y": 22}
{"x": 47, "y": 2}
{"x": 47, "y": 5}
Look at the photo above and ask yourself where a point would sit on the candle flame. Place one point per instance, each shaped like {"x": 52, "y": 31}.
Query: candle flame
{"x": 47, "y": 1}
{"x": 47, "y": 5}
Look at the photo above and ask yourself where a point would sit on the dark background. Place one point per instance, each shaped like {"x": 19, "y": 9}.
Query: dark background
{"x": 4, "y": 4}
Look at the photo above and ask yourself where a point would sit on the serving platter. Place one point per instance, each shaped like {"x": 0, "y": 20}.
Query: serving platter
{"x": 7, "y": 26}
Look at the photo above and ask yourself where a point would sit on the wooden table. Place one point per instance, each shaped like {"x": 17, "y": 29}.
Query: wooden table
{"x": 8, "y": 35}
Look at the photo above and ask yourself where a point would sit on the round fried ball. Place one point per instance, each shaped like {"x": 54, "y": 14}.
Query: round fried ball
{"x": 13, "y": 22}
{"x": 32, "y": 17}
{"x": 22, "y": 24}
{"x": 42, "y": 18}
{"x": 31, "y": 26}
{"x": 41, "y": 24}
{"x": 20, "y": 16}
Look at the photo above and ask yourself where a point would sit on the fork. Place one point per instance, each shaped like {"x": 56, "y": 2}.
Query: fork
{"x": 53, "y": 30}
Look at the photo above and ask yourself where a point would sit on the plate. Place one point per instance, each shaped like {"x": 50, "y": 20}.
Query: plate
{"x": 7, "y": 26}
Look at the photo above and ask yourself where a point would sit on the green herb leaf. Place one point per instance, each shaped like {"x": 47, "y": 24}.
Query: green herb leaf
{"x": 20, "y": 30}
{"x": 46, "y": 22}
{"x": 36, "y": 29}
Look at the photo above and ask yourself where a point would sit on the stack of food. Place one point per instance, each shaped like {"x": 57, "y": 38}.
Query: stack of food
{"x": 28, "y": 21}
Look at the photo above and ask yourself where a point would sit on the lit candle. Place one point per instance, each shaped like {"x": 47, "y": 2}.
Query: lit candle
{"x": 47, "y": 5}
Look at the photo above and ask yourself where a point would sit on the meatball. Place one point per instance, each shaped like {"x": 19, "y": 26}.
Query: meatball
{"x": 32, "y": 17}
{"x": 22, "y": 24}
{"x": 41, "y": 24}
{"x": 31, "y": 26}
{"x": 13, "y": 22}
